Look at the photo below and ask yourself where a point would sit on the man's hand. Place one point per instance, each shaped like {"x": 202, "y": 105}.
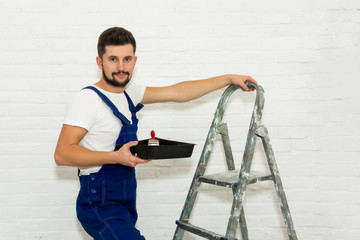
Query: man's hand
{"x": 69, "y": 153}
{"x": 126, "y": 158}
{"x": 240, "y": 80}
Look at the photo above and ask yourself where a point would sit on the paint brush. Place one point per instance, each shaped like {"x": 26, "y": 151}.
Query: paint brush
{"x": 153, "y": 141}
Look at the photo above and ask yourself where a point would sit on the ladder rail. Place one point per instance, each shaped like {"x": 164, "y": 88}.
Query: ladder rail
{"x": 204, "y": 158}
{"x": 224, "y": 131}
{"x": 285, "y": 210}
{"x": 244, "y": 175}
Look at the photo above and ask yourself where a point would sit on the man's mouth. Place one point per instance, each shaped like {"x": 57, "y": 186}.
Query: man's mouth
{"x": 120, "y": 74}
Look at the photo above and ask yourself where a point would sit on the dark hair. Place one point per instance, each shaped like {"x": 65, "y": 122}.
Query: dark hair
{"x": 115, "y": 36}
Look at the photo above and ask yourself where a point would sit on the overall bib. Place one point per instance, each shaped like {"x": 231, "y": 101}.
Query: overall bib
{"x": 106, "y": 204}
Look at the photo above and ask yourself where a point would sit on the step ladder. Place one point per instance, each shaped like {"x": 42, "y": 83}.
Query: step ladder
{"x": 237, "y": 180}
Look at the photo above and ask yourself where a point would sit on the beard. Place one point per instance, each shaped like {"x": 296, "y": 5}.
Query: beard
{"x": 113, "y": 82}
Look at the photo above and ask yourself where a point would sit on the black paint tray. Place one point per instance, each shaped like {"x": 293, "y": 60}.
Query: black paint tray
{"x": 166, "y": 149}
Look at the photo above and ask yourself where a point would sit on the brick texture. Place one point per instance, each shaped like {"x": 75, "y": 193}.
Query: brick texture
{"x": 306, "y": 55}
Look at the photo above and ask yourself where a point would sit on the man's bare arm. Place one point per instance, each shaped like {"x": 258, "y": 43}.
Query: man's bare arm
{"x": 68, "y": 151}
{"x": 189, "y": 90}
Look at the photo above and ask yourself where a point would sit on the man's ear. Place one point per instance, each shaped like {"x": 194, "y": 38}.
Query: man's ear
{"x": 99, "y": 62}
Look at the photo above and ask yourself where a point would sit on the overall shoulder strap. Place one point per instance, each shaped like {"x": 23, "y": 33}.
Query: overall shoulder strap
{"x": 110, "y": 104}
{"x": 131, "y": 104}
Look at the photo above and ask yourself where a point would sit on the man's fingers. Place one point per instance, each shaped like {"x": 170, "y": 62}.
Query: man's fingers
{"x": 130, "y": 144}
{"x": 143, "y": 160}
{"x": 244, "y": 87}
{"x": 251, "y": 79}
{"x": 138, "y": 160}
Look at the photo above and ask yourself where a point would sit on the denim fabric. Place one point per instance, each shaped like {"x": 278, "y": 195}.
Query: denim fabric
{"x": 106, "y": 204}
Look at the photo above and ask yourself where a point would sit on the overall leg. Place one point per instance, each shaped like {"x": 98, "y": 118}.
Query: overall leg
{"x": 106, "y": 206}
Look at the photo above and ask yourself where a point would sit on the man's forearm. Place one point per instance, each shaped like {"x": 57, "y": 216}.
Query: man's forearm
{"x": 189, "y": 90}
{"x": 78, "y": 156}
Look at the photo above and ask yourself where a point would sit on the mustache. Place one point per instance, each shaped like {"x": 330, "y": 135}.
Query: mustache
{"x": 127, "y": 73}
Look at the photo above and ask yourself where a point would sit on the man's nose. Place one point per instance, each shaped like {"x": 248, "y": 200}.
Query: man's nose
{"x": 121, "y": 65}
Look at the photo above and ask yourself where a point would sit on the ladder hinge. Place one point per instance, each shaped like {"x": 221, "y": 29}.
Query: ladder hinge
{"x": 222, "y": 129}
{"x": 261, "y": 131}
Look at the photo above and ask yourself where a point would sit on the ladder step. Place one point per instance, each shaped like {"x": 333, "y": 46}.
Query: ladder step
{"x": 230, "y": 178}
{"x": 200, "y": 231}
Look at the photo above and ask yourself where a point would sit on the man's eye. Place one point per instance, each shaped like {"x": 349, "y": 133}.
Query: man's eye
{"x": 127, "y": 59}
{"x": 112, "y": 59}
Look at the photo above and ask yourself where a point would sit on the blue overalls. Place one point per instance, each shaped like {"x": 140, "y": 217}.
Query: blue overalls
{"x": 106, "y": 204}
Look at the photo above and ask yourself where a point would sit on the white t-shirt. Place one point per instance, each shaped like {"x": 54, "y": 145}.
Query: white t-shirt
{"x": 89, "y": 111}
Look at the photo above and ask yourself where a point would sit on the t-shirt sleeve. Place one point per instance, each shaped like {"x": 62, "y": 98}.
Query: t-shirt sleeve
{"x": 81, "y": 110}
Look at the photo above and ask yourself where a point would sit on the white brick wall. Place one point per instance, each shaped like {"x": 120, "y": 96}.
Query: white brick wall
{"x": 305, "y": 54}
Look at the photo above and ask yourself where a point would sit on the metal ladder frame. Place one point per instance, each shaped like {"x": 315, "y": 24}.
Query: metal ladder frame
{"x": 237, "y": 180}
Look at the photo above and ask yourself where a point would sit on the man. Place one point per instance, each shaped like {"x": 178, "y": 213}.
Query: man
{"x": 103, "y": 115}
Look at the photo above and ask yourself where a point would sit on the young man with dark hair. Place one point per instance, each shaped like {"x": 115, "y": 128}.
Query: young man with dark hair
{"x": 103, "y": 115}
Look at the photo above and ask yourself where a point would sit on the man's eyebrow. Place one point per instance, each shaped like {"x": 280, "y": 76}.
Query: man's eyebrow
{"x": 118, "y": 57}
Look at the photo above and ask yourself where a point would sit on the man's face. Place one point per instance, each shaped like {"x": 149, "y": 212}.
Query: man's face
{"x": 117, "y": 64}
